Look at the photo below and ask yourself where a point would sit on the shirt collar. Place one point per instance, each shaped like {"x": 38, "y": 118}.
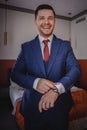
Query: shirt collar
{"x": 42, "y": 38}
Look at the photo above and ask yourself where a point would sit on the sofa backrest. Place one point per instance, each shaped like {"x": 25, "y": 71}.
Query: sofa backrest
{"x": 83, "y": 80}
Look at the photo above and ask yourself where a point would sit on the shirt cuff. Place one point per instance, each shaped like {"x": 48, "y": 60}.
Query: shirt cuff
{"x": 35, "y": 83}
{"x": 60, "y": 88}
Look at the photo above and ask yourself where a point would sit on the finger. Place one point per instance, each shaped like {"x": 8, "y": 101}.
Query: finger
{"x": 46, "y": 88}
{"x": 51, "y": 104}
{"x": 40, "y": 106}
{"x": 40, "y": 91}
{"x": 47, "y": 105}
{"x": 44, "y": 106}
{"x": 43, "y": 91}
{"x": 50, "y": 84}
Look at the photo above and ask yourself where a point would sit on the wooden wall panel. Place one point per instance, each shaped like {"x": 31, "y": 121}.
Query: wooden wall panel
{"x": 5, "y": 66}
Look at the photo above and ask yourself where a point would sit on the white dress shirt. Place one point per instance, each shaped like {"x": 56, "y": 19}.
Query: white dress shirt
{"x": 58, "y": 85}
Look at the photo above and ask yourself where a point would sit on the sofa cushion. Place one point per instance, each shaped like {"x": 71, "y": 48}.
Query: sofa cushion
{"x": 79, "y": 108}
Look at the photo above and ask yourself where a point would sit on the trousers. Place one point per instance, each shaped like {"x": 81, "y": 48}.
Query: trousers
{"x": 55, "y": 118}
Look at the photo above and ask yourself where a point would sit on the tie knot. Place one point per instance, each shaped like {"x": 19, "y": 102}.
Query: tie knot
{"x": 46, "y": 41}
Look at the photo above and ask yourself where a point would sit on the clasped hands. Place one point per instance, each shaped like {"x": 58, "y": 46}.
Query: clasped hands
{"x": 49, "y": 97}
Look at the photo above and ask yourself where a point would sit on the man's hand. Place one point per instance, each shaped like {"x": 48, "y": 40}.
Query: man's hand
{"x": 47, "y": 100}
{"x": 44, "y": 85}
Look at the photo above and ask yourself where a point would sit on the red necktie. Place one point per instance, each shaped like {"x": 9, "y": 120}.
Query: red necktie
{"x": 46, "y": 50}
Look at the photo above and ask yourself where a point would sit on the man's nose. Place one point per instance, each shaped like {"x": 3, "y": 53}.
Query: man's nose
{"x": 46, "y": 21}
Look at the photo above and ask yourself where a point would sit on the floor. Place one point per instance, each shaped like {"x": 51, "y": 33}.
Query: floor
{"x": 7, "y": 120}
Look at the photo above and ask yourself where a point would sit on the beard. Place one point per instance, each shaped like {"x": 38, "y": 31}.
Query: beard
{"x": 46, "y": 30}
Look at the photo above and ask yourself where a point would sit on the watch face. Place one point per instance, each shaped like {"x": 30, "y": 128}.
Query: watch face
{"x": 56, "y": 90}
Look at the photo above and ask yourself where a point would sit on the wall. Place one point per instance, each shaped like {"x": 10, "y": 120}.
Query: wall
{"x": 79, "y": 36}
{"x": 21, "y": 28}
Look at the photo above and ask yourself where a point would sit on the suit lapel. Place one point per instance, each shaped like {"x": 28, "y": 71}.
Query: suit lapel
{"x": 38, "y": 55}
{"x": 54, "y": 51}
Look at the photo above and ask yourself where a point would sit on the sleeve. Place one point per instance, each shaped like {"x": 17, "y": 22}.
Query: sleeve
{"x": 19, "y": 72}
{"x": 73, "y": 70}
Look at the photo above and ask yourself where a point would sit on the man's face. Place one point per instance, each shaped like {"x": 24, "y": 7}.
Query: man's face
{"x": 45, "y": 22}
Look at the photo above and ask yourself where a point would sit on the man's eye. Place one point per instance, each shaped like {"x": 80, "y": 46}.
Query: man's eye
{"x": 51, "y": 18}
{"x": 41, "y": 18}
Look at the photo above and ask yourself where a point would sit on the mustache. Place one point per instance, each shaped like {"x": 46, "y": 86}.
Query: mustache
{"x": 46, "y": 25}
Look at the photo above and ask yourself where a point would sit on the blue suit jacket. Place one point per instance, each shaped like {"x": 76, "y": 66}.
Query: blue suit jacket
{"x": 30, "y": 65}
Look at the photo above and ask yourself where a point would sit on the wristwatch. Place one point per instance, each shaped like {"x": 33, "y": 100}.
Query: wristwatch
{"x": 56, "y": 90}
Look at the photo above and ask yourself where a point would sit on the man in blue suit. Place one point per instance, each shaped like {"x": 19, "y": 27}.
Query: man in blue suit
{"x": 47, "y": 100}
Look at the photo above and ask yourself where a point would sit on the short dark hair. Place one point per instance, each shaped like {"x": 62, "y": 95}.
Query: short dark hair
{"x": 43, "y": 6}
